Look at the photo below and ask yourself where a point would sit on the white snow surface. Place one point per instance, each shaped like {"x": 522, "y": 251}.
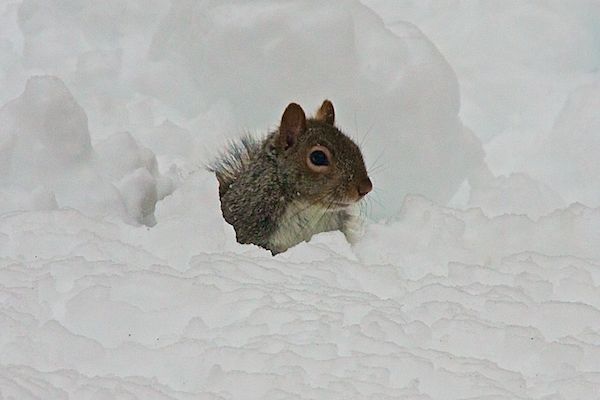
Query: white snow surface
{"x": 477, "y": 275}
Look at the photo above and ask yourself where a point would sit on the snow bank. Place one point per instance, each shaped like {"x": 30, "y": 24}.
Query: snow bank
{"x": 120, "y": 279}
{"x": 435, "y": 308}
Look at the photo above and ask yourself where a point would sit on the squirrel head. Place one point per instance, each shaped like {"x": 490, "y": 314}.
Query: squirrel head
{"x": 324, "y": 165}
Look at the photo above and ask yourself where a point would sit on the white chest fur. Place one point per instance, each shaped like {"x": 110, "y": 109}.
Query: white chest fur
{"x": 301, "y": 221}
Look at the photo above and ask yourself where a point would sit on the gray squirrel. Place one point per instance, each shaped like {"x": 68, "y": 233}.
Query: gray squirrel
{"x": 302, "y": 179}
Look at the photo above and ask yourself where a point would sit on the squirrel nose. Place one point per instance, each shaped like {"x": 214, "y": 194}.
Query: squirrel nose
{"x": 364, "y": 187}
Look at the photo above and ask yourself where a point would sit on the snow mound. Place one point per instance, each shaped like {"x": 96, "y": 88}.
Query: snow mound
{"x": 45, "y": 148}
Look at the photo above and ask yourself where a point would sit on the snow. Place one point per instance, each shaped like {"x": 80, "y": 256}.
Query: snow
{"x": 477, "y": 275}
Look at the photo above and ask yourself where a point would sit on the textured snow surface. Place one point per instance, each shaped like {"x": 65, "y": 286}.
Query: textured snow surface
{"x": 478, "y": 272}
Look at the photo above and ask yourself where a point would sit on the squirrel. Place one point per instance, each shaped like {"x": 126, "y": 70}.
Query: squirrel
{"x": 302, "y": 179}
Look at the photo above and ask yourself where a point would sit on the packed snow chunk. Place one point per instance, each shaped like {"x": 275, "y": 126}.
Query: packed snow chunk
{"x": 388, "y": 88}
{"x": 140, "y": 195}
{"x": 46, "y": 148}
{"x": 134, "y": 171}
{"x": 51, "y": 126}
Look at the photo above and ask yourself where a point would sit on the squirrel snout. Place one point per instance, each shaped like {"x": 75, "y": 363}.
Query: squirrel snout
{"x": 364, "y": 187}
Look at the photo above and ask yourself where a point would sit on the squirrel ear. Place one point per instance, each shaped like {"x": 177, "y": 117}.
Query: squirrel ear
{"x": 293, "y": 124}
{"x": 326, "y": 113}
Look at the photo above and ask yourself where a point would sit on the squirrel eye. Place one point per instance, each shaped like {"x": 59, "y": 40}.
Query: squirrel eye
{"x": 319, "y": 158}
